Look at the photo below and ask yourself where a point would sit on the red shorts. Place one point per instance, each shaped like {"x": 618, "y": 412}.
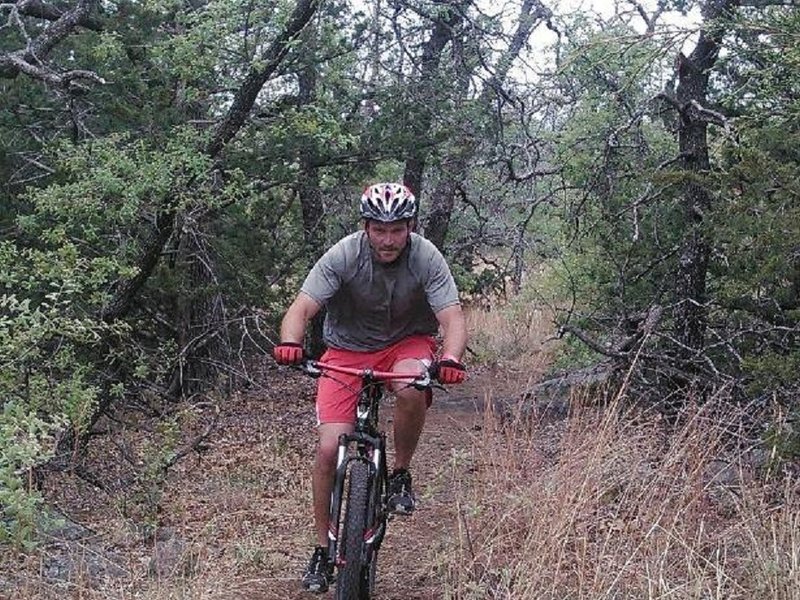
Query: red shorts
{"x": 337, "y": 395}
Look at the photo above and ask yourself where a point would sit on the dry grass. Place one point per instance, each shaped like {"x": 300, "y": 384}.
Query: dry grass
{"x": 614, "y": 503}
{"x": 231, "y": 525}
{"x": 514, "y": 340}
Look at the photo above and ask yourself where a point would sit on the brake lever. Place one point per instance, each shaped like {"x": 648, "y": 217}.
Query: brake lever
{"x": 310, "y": 368}
{"x": 427, "y": 381}
{"x": 423, "y": 382}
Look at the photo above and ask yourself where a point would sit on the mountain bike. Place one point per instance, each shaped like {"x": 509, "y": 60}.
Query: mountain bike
{"x": 355, "y": 539}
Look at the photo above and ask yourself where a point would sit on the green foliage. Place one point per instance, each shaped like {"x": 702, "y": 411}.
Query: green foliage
{"x": 782, "y": 441}
{"x": 46, "y": 386}
{"x": 26, "y": 439}
{"x": 629, "y": 226}
{"x": 614, "y": 245}
{"x": 82, "y": 235}
{"x": 755, "y": 269}
{"x": 772, "y": 372}
{"x": 116, "y": 177}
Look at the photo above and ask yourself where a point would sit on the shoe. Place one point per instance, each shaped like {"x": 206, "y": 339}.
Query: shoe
{"x": 401, "y": 498}
{"x": 319, "y": 573}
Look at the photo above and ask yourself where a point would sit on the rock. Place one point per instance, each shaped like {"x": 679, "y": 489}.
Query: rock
{"x": 72, "y": 554}
{"x": 72, "y": 562}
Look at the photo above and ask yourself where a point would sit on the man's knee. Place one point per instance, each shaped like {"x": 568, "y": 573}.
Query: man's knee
{"x": 328, "y": 444}
{"x": 411, "y": 400}
{"x": 326, "y": 453}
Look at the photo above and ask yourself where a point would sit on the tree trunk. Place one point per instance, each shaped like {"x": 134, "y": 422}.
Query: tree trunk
{"x": 691, "y": 94}
{"x": 126, "y": 291}
{"x": 423, "y": 111}
{"x": 203, "y": 337}
{"x": 313, "y": 210}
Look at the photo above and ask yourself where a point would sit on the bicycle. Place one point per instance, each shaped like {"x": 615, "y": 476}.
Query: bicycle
{"x": 354, "y": 542}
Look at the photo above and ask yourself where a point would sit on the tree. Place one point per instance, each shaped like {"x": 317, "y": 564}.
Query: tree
{"x": 123, "y": 198}
{"x": 456, "y": 163}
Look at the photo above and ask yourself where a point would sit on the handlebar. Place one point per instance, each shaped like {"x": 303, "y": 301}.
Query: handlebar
{"x": 419, "y": 381}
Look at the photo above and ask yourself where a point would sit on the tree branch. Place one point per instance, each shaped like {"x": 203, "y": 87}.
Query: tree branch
{"x": 258, "y": 76}
{"x": 48, "y": 12}
{"x": 30, "y": 60}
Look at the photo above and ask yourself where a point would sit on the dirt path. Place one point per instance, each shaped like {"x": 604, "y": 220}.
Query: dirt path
{"x": 235, "y": 522}
{"x": 410, "y": 559}
{"x": 411, "y": 563}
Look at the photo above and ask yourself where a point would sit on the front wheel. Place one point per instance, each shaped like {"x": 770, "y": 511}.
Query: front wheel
{"x": 350, "y": 580}
{"x": 376, "y": 519}
{"x": 368, "y": 576}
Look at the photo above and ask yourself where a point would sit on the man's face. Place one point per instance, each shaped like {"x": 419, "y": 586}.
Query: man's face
{"x": 388, "y": 239}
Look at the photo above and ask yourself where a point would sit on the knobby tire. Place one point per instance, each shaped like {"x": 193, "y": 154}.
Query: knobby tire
{"x": 350, "y": 579}
{"x": 371, "y": 568}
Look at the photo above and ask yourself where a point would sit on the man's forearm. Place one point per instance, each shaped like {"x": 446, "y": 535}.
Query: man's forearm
{"x": 293, "y": 326}
{"x": 454, "y": 331}
{"x": 454, "y": 346}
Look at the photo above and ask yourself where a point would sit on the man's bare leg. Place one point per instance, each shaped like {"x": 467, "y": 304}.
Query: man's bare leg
{"x": 409, "y": 420}
{"x": 409, "y": 415}
{"x": 323, "y": 474}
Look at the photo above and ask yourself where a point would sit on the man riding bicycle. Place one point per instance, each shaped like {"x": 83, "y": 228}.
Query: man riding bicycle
{"x": 387, "y": 292}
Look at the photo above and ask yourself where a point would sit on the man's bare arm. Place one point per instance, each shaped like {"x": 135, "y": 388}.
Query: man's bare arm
{"x": 454, "y": 330}
{"x": 302, "y": 310}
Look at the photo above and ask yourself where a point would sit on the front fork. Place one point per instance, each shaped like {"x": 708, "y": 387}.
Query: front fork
{"x": 370, "y": 449}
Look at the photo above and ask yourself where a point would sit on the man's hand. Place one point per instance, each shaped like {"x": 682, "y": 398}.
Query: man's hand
{"x": 450, "y": 371}
{"x": 288, "y": 353}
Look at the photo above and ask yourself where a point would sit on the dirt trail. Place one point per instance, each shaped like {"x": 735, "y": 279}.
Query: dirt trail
{"x": 235, "y": 522}
{"x": 410, "y": 559}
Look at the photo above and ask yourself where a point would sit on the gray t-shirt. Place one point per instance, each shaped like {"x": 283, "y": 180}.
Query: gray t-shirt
{"x": 371, "y": 305}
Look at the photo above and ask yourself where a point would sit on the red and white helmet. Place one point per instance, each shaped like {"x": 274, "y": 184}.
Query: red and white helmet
{"x": 387, "y": 202}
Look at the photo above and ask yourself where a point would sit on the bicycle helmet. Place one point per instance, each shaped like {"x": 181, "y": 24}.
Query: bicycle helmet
{"x": 387, "y": 202}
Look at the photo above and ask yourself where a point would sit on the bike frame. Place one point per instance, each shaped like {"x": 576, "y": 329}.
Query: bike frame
{"x": 367, "y": 444}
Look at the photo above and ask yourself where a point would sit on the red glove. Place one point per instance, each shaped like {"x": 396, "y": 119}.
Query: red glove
{"x": 449, "y": 370}
{"x": 288, "y": 353}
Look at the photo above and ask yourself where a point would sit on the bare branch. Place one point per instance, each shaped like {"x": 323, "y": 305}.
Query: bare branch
{"x": 48, "y": 12}
{"x": 31, "y": 60}
{"x": 592, "y": 343}
{"x": 702, "y": 113}
{"x": 196, "y": 444}
{"x": 650, "y": 20}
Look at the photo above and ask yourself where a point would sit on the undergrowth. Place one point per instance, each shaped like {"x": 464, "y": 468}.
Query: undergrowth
{"x": 617, "y": 503}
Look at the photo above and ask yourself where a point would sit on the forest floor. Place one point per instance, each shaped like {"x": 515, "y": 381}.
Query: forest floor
{"x": 235, "y": 520}
{"x": 606, "y": 499}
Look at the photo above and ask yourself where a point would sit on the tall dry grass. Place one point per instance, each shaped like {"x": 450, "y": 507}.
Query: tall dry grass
{"x": 514, "y": 337}
{"x": 615, "y": 503}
